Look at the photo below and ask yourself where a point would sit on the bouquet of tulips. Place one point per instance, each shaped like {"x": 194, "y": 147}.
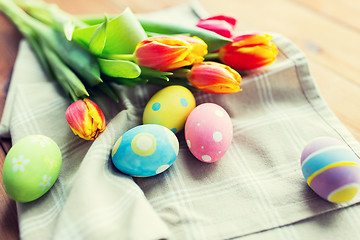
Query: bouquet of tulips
{"x": 87, "y": 55}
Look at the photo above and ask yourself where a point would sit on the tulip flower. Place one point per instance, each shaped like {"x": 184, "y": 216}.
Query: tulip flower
{"x": 222, "y": 25}
{"x": 214, "y": 77}
{"x": 85, "y": 119}
{"x": 249, "y": 51}
{"x": 165, "y": 53}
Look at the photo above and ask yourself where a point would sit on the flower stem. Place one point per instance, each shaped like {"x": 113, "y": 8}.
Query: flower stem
{"x": 129, "y": 57}
{"x": 212, "y": 56}
{"x": 181, "y": 72}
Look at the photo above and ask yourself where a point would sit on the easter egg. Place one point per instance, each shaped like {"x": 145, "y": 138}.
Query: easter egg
{"x": 145, "y": 150}
{"x": 169, "y": 107}
{"x": 208, "y": 132}
{"x": 31, "y": 167}
{"x": 331, "y": 169}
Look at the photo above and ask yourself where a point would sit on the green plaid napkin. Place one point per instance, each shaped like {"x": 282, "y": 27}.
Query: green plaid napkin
{"x": 256, "y": 191}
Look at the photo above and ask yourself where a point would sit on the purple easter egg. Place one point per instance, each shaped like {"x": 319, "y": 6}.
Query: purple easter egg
{"x": 331, "y": 169}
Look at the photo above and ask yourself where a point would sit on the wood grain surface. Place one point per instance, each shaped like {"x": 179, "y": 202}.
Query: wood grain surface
{"x": 328, "y": 31}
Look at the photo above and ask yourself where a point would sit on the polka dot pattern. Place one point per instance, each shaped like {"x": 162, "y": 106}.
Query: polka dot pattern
{"x": 184, "y": 102}
{"x": 145, "y": 150}
{"x": 156, "y": 106}
{"x": 162, "y": 168}
{"x": 206, "y": 158}
{"x": 208, "y": 129}
{"x": 219, "y": 113}
{"x": 169, "y": 107}
{"x": 217, "y": 136}
{"x": 143, "y": 144}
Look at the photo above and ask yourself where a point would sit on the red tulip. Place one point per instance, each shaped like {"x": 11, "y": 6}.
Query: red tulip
{"x": 220, "y": 24}
{"x": 249, "y": 51}
{"x": 165, "y": 53}
{"x": 214, "y": 77}
{"x": 85, "y": 119}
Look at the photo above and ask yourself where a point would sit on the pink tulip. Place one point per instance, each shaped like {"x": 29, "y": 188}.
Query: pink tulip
{"x": 220, "y": 24}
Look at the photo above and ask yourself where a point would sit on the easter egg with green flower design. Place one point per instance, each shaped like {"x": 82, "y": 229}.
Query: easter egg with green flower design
{"x": 31, "y": 167}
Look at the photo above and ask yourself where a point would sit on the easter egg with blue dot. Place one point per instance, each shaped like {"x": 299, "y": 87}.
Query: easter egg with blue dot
{"x": 31, "y": 168}
{"x": 169, "y": 107}
{"x": 208, "y": 132}
{"x": 145, "y": 150}
{"x": 331, "y": 169}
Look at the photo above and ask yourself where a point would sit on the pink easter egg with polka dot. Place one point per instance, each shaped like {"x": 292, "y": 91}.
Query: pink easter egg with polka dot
{"x": 208, "y": 132}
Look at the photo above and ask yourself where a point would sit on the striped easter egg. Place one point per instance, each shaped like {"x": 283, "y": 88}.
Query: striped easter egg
{"x": 331, "y": 169}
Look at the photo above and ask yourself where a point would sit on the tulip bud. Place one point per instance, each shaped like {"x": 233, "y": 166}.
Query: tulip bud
{"x": 249, "y": 51}
{"x": 85, "y": 119}
{"x": 165, "y": 53}
{"x": 222, "y": 25}
{"x": 214, "y": 77}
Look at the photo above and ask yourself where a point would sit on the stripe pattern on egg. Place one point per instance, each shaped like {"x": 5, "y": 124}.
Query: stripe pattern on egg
{"x": 331, "y": 169}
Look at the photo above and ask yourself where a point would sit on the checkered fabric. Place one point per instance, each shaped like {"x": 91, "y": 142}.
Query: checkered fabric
{"x": 256, "y": 191}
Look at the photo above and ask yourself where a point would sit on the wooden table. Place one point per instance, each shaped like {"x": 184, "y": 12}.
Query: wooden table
{"x": 327, "y": 31}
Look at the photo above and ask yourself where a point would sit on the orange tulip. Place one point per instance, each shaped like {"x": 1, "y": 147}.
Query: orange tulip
{"x": 214, "y": 77}
{"x": 249, "y": 51}
{"x": 85, "y": 119}
{"x": 220, "y": 24}
{"x": 165, "y": 53}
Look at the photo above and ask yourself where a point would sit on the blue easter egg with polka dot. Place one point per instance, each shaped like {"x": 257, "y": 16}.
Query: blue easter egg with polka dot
{"x": 170, "y": 108}
{"x": 145, "y": 150}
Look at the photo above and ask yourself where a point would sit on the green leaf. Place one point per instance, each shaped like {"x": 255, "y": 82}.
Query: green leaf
{"x": 71, "y": 53}
{"x": 130, "y": 82}
{"x": 51, "y": 15}
{"x": 152, "y": 34}
{"x": 105, "y": 88}
{"x": 68, "y": 29}
{"x": 153, "y": 73}
{"x": 123, "y": 34}
{"x": 150, "y": 73}
{"x": 98, "y": 39}
{"x": 92, "y": 20}
{"x": 63, "y": 74}
{"x": 213, "y": 40}
{"x": 161, "y": 82}
{"x": 119, "y": 68}
{"x": 75, "y": 56}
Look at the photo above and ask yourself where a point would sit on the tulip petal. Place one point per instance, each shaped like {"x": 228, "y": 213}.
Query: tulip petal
{"x": 214, "y": 78}
{"x": 85, "y": 119}
{"x": 197, "y": 46}
{"x": 220, "y": 24}
{"x": 228, "y": 19}
{"x": 220, "y": 88}
{"x": 148, "y": 56}
{"x": 220, "y": 27}
{"x": 249, "y": 51}
{"x": 97, "y": 118}
{"x": 76, "y": 115}
{"x": 165, "y": 53}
